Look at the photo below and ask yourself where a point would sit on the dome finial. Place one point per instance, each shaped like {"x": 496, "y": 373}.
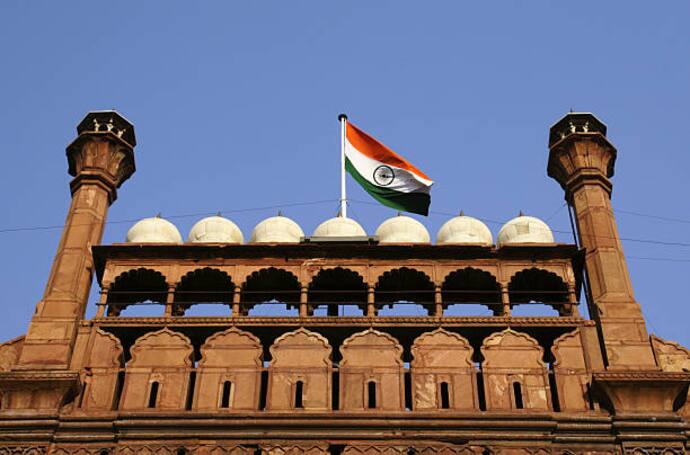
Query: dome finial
{"x": 462, "y": 213}
{"x": 521, "y": 213}
{"x": 158, "y": 215}
{"x": 280, "y": 213}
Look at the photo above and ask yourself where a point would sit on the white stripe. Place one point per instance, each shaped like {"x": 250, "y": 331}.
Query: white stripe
{"x": 404, "y": 181}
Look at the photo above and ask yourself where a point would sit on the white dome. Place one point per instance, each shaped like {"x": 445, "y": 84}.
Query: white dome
{"x": 277, "y": 229}
{"x": 215, "y": 229}
{"x": 153, "y": 230}
{"x": 339, "y": 227}
{"x": 402, "y": 229}
{"x": 464, "y": 229}
{"x": 525, "y": 229}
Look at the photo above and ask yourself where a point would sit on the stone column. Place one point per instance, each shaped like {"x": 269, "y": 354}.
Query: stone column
{"x": 582, "y": 160}
{"x": 101, "y": 158}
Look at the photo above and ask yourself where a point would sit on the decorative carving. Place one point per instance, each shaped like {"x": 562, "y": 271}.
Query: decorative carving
{"x": 158, "y": 373}
{"x": 300, "y": 357}
{"x": 22, "y": 450}
{"x": 233, "y": 357}
{"x": 654, "y": 450}
{"x": 102, "y": 367}
{"x": 9, "y": 353}
{"x": 294, "y": 449}
{"x": 371, "y": 372}
{"x": 443, "y": 357}
{"x": 515, "y": 376}
{"x": 570, "y": 369}
{"x": 375, "y": 450}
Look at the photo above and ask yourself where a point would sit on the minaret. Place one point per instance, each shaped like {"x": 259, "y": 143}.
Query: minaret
{"x": 101, "y": 158}
{"x": 582, "y": 160}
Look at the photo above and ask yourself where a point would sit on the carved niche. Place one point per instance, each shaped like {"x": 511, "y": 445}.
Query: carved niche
{"x": 672, "y": 357}
{"x": 372, "y": 449}
{"x": 229, "y": 373}
{"x": 22, "y": 450}
{"x": 443, "y": 375}
{"x": 294, "y": 449}
{"x": 572, "y": 378}
{"x": 100, "y": 372}
{"x": 515, "y": 376}
{"x": 371, "y": 372}
{"x": 299, "y": 375}
{"x": 157, "y": 376}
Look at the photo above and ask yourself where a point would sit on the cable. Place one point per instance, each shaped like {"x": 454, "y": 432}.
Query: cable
{"x": 560, "y": 231}
{"x": 187, "y": 215}
{"x": 655, "y": 217}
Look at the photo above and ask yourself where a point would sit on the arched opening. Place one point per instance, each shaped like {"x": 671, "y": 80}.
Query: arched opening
{"x": 266, "y": 287}
{"x": 299, "y": 392}
{"x": 371, "y": 395}
{"x": 225, "y": 398}
{"x": 407, "y": 286}
{"x": 137, "y": 287}
{"x": 153, "y": 394}
{"x": 517, "y": 395}
{"x": 445, "y": 396}
{"x": 539, "y": 286}
{"x": 205, "y": 285}
{"x": 469, "y": 286}
{"x": 337, "y": 286}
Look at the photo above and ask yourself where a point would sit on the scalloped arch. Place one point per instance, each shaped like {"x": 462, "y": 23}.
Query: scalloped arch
{"x": 495, "y": 341}
{"x": 216, "y": 340}
{"x": 308, "y": 334}
{"x": 352, "y": 341}
{"x": 147, "y": 340}
{"x": 455, "y": 339}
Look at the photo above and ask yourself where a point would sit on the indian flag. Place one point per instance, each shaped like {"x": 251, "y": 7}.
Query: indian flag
{"x": 386, "y": 176}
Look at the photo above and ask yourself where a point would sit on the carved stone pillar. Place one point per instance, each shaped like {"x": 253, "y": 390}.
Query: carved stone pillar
{"x": 505, "y": 300}
{"x": 100, "y": 159}
{"x": 236, "y": 297}
{"x": 303, "y": 298}
{"x": 438, "y": 302}
{"x": 371, "y": 302}
{"x": 582, "y": 160}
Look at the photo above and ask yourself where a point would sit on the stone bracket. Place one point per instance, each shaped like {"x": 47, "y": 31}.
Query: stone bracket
{"x": 639, "y": 391}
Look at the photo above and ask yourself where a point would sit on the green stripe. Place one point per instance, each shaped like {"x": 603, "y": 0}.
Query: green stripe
{"x": 406, "y": 202}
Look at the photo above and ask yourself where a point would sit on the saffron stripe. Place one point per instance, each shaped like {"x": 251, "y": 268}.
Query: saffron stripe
{"x": 375, "y": 150}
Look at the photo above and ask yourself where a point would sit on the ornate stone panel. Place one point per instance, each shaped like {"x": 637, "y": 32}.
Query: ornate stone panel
{"x": 515, "y": 376}
{"x": 294, "y": 449}
{"x": 372, "y": 449}
{"x": 101, "y": 369}
{"x": 371, "y": 372}
{"x": 229, "y": 373}
{"x": 157, "y": 376}
{"x": 672, "y": 357}
{"x": 299, "y": 375}
{"x": 572, "y": 377}
{"x": 443, "y": 357}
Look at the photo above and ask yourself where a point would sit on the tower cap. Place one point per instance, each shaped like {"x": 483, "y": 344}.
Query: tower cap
{"x": 576, "y": 122}
{"x": 109, "y": 121}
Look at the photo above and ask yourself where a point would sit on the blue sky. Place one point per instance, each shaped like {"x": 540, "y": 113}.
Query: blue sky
{"x": 235, "y": 107}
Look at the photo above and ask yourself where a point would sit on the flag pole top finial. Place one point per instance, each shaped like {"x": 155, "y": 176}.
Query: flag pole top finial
{"x": 342, "y": 117}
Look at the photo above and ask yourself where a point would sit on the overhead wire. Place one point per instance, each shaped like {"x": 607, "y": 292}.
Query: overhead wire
{"x": 432, "y": 212}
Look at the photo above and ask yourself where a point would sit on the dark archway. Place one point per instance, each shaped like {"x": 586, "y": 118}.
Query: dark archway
{"x": 539, "y": 286}
{"x": 270, "y": 285}
{"x": 470, "y": 285}
{"x": 205, "y": 285}
{"x": 136, "y": 286}
{"x": 335, "y": 286}
{"x": 405, "y": 285}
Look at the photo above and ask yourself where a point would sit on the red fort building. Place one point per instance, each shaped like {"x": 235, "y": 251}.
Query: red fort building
{"x": 329, "y": 370}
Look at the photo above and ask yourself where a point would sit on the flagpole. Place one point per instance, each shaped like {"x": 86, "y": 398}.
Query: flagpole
{"x": 343, "y": 195}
